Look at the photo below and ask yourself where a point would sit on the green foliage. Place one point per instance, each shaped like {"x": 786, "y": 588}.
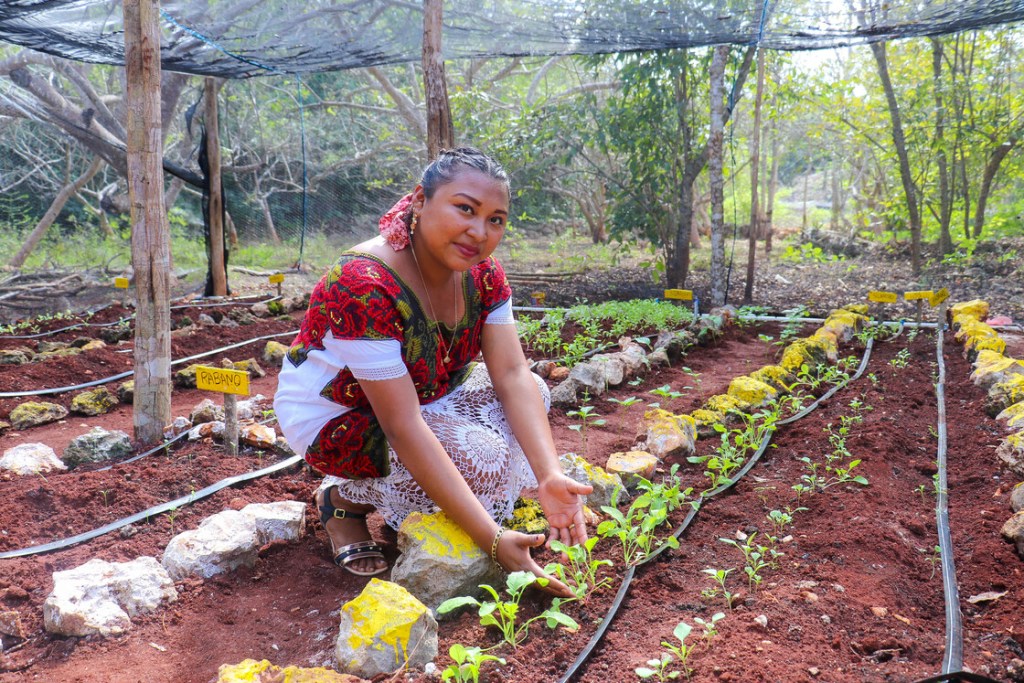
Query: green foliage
{"x": 581, "y": 574}
{"x": 466, "y": 668}
{"x": 809, "y": 253}
{"x": 503, "y": 613}
{"x": 756, "y": 558}
{"x": 636, "y": 529}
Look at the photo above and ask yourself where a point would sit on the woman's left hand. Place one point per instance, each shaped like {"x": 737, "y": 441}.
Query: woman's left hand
{"x": 560, "y": 499}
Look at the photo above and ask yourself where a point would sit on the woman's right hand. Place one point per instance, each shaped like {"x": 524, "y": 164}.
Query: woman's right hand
{"x": 513, "y": 555}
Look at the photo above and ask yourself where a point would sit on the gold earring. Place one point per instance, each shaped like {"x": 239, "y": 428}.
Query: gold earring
{"x": 412, "y": 225}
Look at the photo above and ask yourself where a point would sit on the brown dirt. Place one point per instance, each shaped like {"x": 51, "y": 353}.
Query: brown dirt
{"x": 853, "y": 550}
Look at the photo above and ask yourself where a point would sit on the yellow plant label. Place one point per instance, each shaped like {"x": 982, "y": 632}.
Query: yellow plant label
{"x": 882, "y": 297}
{"x": 679, "y": 294}
{"x": 922, "y": 294}
{"x": 938, "y": 297}
{"x": 276, "y": 278}
{"x": 121, "y": 282}
{"x": 224, "y": 381}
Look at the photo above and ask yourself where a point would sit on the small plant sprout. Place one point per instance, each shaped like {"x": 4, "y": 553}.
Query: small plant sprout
{"x": 466, "y": 668}
{"x": 581, "y": 574}
{"x": 720, "y": 576}
{"x": 694, "y": 375}
{"x": 901, "y": 360}
{"x": 636, "y": 528}
{"x": 658, "y": 668}
{"x": 106, "y": 497}
{"x": 502, "y": 613}
{"x": 588, "y": 417}
{"x": 710, "y": 626}
{"x": 172, "y": 514}
{"x": 765, "y": 338}
{"x": 635, "y": 382}
{"x": 757, "y": 558}
{"x": 626, "y": 402}
{"x": 933, "y": 557}
{"x": 781, "y": 519}
{"x": 665, "y": 391}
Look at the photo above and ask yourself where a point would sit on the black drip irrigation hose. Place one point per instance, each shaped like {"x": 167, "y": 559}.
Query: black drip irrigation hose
{"x": 129, "y": 373}
{"x": 697, "y": 504}
{"x": 127, "y": 318}
{"x": 155, "y": 510}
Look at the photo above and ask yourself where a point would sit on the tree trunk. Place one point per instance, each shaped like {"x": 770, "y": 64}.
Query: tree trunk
{"x": 715, "y": 169}
{"x": 51, "y": 214}
{"x": 991, "y": 168}
{"x": 150, "y": 241}
{"x": 900, "y": 143}
{"x": 755, "y": 163}
{"x": 218, "y": 273}
{"x": 268, "y": 218}
{"x": 773, "y": 186}
{"x": 440, "y": 131}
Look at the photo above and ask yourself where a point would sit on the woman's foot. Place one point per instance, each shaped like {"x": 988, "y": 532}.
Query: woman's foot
{"x": 351, "y": 544}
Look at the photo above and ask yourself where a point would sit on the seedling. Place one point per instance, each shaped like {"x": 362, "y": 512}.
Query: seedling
{"x": 710, "y": 628}
{"x": 765, "y": 337}
{"x": 693, "y": 375}
{"x": 781, "y": 519}
{"x": 635, "y": 529}
{"x": 503, "y": 613}
{"x": 106, "y": 497}
{"x": 665, "y": 392}
{"x": 581, "y": 574}
{"x": 659, "y": 667}
{"x": 901, "y": 360}
{"x": 934, "y": 557}
{"x": 720, "y": 576}
{"x": 172, "y": 514}
{"x": 467, "y": 660}
{"x": 757, "y": 558}
{"x": 626, "y": 402}
{"x": 587, "y": 417}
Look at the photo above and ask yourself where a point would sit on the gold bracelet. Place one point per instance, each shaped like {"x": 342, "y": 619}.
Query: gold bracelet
{"x": 494, "y": 545}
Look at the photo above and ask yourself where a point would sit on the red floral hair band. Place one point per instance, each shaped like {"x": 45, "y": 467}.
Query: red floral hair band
{"x": 394, "y": 225}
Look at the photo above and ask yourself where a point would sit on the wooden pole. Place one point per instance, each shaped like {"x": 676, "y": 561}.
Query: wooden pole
{"x": 440, "y": 131}
{"x": 755, "y": 150}
{"x": 230, "y": 417}
{"x": 216, "y": 208}
{"x": 151, "y": 250}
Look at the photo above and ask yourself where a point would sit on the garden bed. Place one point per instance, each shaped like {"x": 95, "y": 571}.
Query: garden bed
{"x": 856, "y": 594}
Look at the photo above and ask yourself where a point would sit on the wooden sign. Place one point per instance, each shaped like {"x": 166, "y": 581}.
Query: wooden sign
{"x": 679, "y": 294}
{"x": 924, "y": 294}
{"x": 938, "y": 297}
{"x": 276, "y": 278}
{"x": 882, "y": 297}
{"x": 224, "y": 381}
{"x": 121, "y": 282}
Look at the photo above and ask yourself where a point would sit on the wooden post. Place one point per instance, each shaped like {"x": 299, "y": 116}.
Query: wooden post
{"x": 151, "y": 251}
{"x": 440, "y": 131}
{"x": 230, "y": 417}
{"x": 216, "y": 208}
{"x": 755, "y": 150}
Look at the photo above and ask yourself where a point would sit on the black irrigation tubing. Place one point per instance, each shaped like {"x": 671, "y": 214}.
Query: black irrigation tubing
{"x": 129, "y": 373}
{"x": 233, "y": 302}
{"x": 155, "y": 510}
{"x": 628, "y": 576}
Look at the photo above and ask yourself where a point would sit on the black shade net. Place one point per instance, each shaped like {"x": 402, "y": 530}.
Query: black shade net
{"x": 243, "y": 38}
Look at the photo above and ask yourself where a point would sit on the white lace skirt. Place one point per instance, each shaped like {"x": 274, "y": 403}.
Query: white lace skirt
{"x": 471, "y": 425}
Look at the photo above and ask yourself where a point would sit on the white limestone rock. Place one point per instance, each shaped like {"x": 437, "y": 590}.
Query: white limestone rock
{"x": 101, "y": 597}
{"x": 31, "y": 458}
{"x": 281, "y": 521}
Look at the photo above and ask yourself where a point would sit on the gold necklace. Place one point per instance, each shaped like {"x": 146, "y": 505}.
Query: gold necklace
{"x": 433, "y": 315}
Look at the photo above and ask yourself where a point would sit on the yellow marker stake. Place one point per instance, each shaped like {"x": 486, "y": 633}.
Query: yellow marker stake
{"x": 277, "y": 279}
{"x": 923, "y": 294}
{"x": 881, "y": 297}
{"x": 224, "y": 381}
{"x": 679, "y": 294}
{"x": 938, "y": 297}
{"x": 121, "y": 282}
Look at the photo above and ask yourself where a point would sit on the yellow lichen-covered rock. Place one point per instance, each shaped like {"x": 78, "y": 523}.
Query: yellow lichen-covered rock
{"x": 859, "y": 309}
{"x": 723, "y": 403}
{"x": 1004, "y": 394}
{"x": 973, "y": 328}
{"x": 752, "y": 391}
{"x": 528, "y": 517}
{"x": 32, "y": 413}
{"x": 991, "y": 367}
{"x": 844, "y": 324}
{"x": 93, "y": 344}
{"x": 1011, "y": 453}
{"x": 186, "y": 378}
{"x": 704, "y": 418}
{"x": 812, "y": 351}
{"x": 274, "y": 353}
{"x": 439, "y": 560}
{"x": 385, "y": 628}
{"x": 773, "y": 375}
{"x": 98, "y": 401}
{"x": 251, "y": 671}
{"x": 251, "y": 366}
{"x": 604, "y": 484}
{"x": 1013, "y": 416}
{"x": 631, "y": 465}
{"x": 977, "y": 344}
{"x": 829, "y": 341}
{"x": 977, "y": 309}
{"x": 669, "y": 433}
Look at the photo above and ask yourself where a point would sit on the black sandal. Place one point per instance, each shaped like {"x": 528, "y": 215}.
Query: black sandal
{"x": 347, "y": 554}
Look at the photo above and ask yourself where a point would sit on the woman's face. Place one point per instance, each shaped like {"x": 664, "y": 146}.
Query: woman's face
{"x": 462, "y": 224}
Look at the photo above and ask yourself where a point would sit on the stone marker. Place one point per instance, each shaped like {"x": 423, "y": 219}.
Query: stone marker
{"x": 34, "y": 413}
{"x": 31, "y": 458}
{"x": 384, "y": 629}
{"x": 101, "y": 597}
{"x": 97, "y": 445}
{"x": 439, "y": 560}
